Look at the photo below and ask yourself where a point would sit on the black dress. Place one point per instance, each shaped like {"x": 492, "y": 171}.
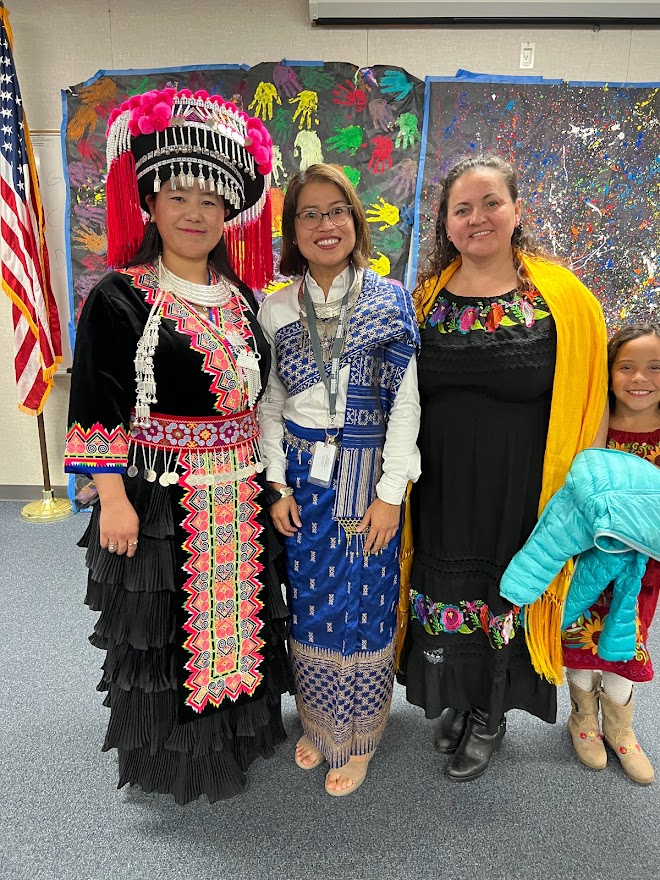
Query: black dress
{"x": 194, "y": 625}
{"x": 485, "y": 379}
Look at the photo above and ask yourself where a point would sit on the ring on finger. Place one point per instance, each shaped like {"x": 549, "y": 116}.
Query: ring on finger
{"x": 132, "y": 543}
{"x": 112, "y": 548}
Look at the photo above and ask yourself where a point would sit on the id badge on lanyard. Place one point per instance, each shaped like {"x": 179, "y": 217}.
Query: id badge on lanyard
{"x": 322, "y": 463}
{"x": 324, "y": 455}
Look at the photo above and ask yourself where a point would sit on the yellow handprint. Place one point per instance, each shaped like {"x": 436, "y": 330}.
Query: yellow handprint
{"x": 381, "y": 265}
{"x": 384, "y": 213}
{"x": 308, "y": 103}
{"x": 264, "y": 95}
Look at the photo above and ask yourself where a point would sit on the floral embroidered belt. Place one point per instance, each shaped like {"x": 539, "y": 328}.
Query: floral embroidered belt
{"x": 170, "y": 432}
{"x": 210, "y": 450}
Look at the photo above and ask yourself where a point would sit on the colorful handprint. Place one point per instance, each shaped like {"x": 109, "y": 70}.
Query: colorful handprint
{"x": 278, "y": 165}
{"x": 405, "y": 179}
{"x": 408, "y": 132}
{"x": 381, "y": 158}
{"x": 381, "y": 265}
{"x": 308, "y": 146}
{"x": 347, "y": 140}
{"x": 286, "y": 81}
{"x": 381, "y": 114}
{"x": 383, "y": 212}
{"x": 262, "y": 103}
{"x": 308, "y": 103}
{"x": 349, "y": 96}
{"x": 395, "y": 81}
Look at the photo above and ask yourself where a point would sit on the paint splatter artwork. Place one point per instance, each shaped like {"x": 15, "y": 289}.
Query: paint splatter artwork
{"x": 589, "y": 165}
{"x": 369, "y": 121}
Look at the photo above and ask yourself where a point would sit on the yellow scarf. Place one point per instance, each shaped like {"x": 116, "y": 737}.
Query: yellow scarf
{"x": 579, "y": 393}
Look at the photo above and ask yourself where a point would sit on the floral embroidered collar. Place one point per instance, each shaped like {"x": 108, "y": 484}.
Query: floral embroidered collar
{"x": 515, "y": 307}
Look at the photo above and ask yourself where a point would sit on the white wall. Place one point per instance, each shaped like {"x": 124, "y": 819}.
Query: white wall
{"x": 58, "y": 43}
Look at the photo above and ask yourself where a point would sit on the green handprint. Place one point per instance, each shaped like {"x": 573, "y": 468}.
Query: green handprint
{"x": 347, "y": 140}
{"x": 282, "y": 124}
{"x": 389, "y": 241}
{"x": 353, "y": 174}
{"x": 408, "y": 131}
{"x": 315, "y": 79}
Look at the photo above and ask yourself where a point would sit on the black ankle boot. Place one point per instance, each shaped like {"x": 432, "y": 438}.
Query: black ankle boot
{"x": 471, "y": 758}
{"x": 450, "y": 730}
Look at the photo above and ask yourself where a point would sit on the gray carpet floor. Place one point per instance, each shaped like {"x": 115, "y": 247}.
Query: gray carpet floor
{"x": 536, "y": 814}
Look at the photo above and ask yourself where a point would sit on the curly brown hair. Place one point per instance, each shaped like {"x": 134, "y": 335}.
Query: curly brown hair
{"x": 444, "y": 252}
{"x": 619, "y": 339}
{"x": 292, "y": 261}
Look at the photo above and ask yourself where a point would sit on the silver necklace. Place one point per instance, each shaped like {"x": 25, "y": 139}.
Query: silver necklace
{"x": 208, "y": 296}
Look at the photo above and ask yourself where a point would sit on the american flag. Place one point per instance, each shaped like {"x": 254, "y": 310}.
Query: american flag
{"x": 23, "y": 252}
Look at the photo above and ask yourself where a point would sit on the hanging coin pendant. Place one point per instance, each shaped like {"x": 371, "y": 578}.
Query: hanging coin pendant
{"x": 132, "y": 471}
{"x": 150, "y": 476}
{"x": 258, "y": 466}
{"x": 172, "y": 478}
{"x": 162, "y": 479}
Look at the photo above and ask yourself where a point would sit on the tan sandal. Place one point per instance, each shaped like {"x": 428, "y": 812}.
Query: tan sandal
{"x": 356, "y": 772}
{"x": 319, "y": 757}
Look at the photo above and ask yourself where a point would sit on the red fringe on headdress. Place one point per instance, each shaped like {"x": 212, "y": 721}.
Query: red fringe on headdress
{"x": 125, "y": 225}
{"x": 250, "y": 249}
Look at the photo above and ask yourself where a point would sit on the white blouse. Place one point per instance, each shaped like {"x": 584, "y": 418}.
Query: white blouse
{"x": 309, "y": 408}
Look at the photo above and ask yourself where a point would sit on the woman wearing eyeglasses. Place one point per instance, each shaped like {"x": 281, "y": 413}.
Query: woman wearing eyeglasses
{"x": 339, "y": 422}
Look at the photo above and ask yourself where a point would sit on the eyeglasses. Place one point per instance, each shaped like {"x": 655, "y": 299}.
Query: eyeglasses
{"x": 338, "y": 216}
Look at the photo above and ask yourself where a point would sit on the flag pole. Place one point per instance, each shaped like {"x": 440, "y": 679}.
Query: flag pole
{"x": 49, "y": 509}
{"x": 25, "y": 272}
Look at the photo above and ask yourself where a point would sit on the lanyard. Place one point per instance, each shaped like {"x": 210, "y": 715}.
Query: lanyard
{"x": 331, "y": 382}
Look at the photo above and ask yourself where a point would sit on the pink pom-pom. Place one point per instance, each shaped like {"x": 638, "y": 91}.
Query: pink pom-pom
{"x": 265, "y": 169}
{"x": 202, "y": 95}
{"x": 218, "y": 99}
{"x": 185, "y": 93}
{"x": 146, "y": 125}
{"x": 134, "y": 127}
{"x": 134, "y": 101}
{"x": 230, "y": 107}
{"x": 261, "y": 155}
{"x": 161, "y": 115}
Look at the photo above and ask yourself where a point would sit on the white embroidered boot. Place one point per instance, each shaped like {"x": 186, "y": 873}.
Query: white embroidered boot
{"x": 620, "y": 737}
{"x": 584, "y": 728}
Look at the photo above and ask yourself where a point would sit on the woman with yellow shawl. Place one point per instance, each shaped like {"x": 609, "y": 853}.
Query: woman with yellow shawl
{"x": 513, "y": 381}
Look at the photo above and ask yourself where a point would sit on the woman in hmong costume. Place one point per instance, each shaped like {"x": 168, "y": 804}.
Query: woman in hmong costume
{"x": 339, "y": 419}
{"x": 168, "y": 366}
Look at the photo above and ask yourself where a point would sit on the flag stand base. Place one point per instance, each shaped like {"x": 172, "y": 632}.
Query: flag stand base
{"x": 49, "y": 509}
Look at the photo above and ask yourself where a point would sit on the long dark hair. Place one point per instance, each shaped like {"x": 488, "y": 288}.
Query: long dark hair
{"x": 218, "y": 258}
{"x": 444, "y": 252}
{"x": 616, "y": 343}
{"x": 292, "y": 261}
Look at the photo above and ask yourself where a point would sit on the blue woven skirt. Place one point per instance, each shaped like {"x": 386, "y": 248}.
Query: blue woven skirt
{"x": 343, "y": 618}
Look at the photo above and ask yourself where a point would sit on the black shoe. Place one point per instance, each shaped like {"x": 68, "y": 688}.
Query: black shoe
{"x": 450, "y": 730}
{"x": 472, "y": 757}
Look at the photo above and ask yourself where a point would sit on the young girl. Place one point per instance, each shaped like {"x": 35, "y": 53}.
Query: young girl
{"x": 634, "y": 390}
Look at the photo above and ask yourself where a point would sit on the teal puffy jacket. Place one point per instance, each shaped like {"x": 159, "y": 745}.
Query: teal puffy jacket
{"x": 608, "y": 511}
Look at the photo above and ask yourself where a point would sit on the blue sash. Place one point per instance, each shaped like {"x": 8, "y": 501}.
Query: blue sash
{"x": 382, "y": 337}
